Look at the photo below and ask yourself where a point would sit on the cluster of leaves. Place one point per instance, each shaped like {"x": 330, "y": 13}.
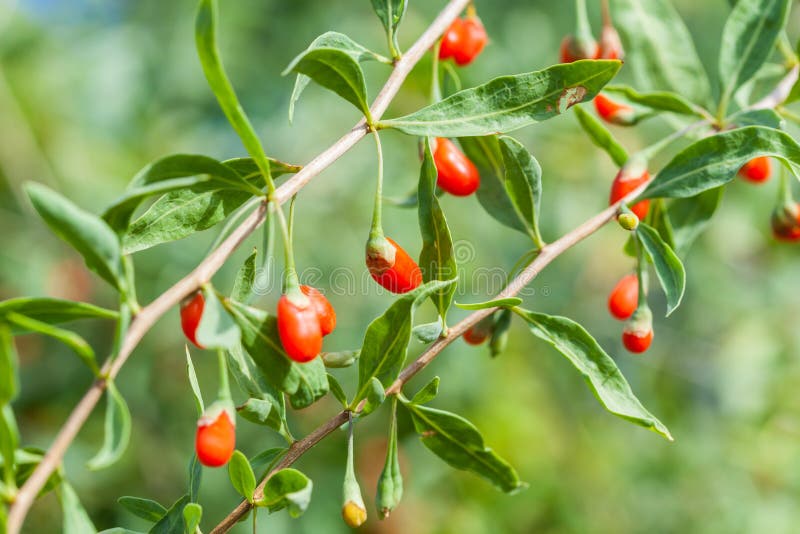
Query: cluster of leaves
{"x": 191, "y": 193}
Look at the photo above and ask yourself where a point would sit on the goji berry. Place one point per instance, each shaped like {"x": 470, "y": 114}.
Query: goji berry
{"x": 215, "y": 440}
{"x": 456, "y": 174}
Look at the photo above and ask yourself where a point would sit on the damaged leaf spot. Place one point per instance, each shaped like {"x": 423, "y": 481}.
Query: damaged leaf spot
{"x": 428, "y": 434}
{"x": 570, "y": 96}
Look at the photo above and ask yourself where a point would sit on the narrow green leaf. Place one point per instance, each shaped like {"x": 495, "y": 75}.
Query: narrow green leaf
{"x": 84, "y": 231}
{"x": 375, "y": 397}
{"x": 690, "y": 216}
{"x": 427, "y": 393}
{"x": 507, "y": 302}
{"x": 428, "y": 332}
{"x": 9, "y": 366}
{"x": 337, "y": 41}
{"x": 655, "y": 100}
{"x": 147, "y": 509}
{"x": 74, "y": 516}
{"x": 669, "y": 268}
{"x": 304, "y": 383}
{"x": 178, "y": 171}
{"x": 390, "y": 12}
{"x": 509, "y": 102}
{"x": 262, "y": 411}
{"x": 72, "y": 340}
{"x": 756, "y": 117}
{"x": 337, "y": 390}
{"x": 172, "y": 522}
{"x": 181, "y": 213}
{"x": 659, "y": 219}
{"x": 53, "y": 311}
{"x": 195, "y": 478}
{"x": 748, "y": 39}
{"x": 340, "y": 359}
{"x": 598, "y": 369}
{"x": 206, "y": 41}
{"x": 265, "y": 460}
{"x": 666, "y": 58}
{"x": 288, "y": 488}
{"x": 198, "y": 396}
{"x": 390, "y": 483}
{"x": 245, "y": 279}
{"x": 456, "y": 441}
{"x": 192, "y": 514}
{"x": 332, "y": 61}
{"x": 386, "y": 340}
{"x": 715, "y": 160}
{"x": 242, "y": 477}
{"x": 217, "y": 329}
{"x": 601, "y": 136}
{"x": 523, "y": 183}
{"x": 117, "y": 429}
{"x": 9, "y": 441}
{"x": 436, "y": 260}
{"x": 248, "y": 168}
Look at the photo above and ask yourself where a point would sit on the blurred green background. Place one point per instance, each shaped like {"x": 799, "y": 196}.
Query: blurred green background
{"x": 92, "y": 90}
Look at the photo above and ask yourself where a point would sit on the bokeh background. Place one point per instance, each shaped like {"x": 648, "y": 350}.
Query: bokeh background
{"x": 91, "y": 91}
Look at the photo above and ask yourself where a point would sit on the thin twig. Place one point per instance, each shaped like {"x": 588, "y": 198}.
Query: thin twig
{"x": 212, "y": 263}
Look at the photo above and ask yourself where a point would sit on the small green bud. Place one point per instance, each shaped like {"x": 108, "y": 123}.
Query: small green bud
{"x": 629, "y": 221}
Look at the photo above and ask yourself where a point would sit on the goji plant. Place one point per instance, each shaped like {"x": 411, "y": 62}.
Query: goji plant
{"x": 277, "y": 355}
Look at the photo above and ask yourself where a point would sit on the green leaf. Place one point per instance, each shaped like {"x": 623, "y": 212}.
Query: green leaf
{"x": 266, "y": 459}
{"x": 386, "y": 340}
{"x": 262, "y": 411}
{"x": 288, "y": 488}
{"x": 70, "y": 339}
{"x": 178, "y": 171}
{"x": 198, "y": 396}
{"x": 509, "y": 102}
{"x": 659, "y": 220}
{"x": 456, "y": 441}
{"x": 217, "y": 329}
{"x": 436, "y": 259}
{"x": 147, "y": 509}
{"x": 748, "y": 39}
{"x": 507, "y": 302}
{"x": 340, "y": 359}
{"x": 669, "y": 268}
{"x": 375, "y": 397}
{"x": 53, "y": 311}
{"x": 666, "y": 58}
{"x": 655, "y": 100}
{"x": 248, "y": 168}
{"x": 9, "y": 366}
{"x": 245, "y": 279}
{"x": 485, "y": 153}
{"x": 601, "y": 136}
{"x": 192, "y": 514}
{"x": 9, "y": 441}
{"x": 305, "y": 383}
{"x": 74, "y": 516}
{"x": 756, "y": 117}
{"x": 337, "y": 41}
{"x": 427, "y": 393}
{"x": 117, "y": 429}
{"x": 172, "y": 522}
{"x": 337, "y": 391}
{"x": 598, "y": 369}
{"x": 195, "y": 478}
{"x": 428, "y": 332}
{"x": 242, "y": 477}
{"x": 85, "y": 232}
{"x": 715, "y": 160}
{"x": 523, "y": 183}
{"x": 205, "y": 39}
{"x": 690, "y": 216}
{"x": 391, "y": 13}
{"x": 332, "y": 61}
{"x": 390, "y": 483}
{"x": 180, "y": 214}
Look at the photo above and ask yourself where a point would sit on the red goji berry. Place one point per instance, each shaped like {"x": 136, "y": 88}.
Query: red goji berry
{"x": 479, "y": 332}
{"x": 299, "y": 328}
{"x": 473, "y": 41}
{"x": 325, "y": 311}
{"x": 614, "y": 112}
{"x": 786, "y": 223}
{"x": 215, "y": 440}
{"x": 637, "y": 342}
{"x": 456, "y": 174}
{"x": 191, "y": 313}
{"x": 757, "y": 170}
{"x": 573, "y": 49}
{"x": 630, "y": 176}
{"x": 451, "y": 39}
{"x": 610, "y": 44}
{"x": 392, "y": 267}
{"x": 624, "y": 298}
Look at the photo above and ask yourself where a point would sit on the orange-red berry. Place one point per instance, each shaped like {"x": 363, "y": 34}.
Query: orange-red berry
{"x": 614, "y": 112}
{"x": 464, "y": 40}
{"x": 630, "y": 177}
{"x": 299, "y": 328}
{"x": 456, "y": 174}
{"x": 392, "y": 267}
{"x": 325, "y": 312}
{"x": 610, "y": 44}
{"x": 479, "y": 332}
{"x": 215, "y": 440}
{"x": 637, "y": 342}
{"x": 451, "y": 39}
{"x": 191, "y": 313}
{"x": 573, "y": 49}
{"x": 624, "y": 297}
{"x": 786, "y": 223}
{"x": 757, "y": 170}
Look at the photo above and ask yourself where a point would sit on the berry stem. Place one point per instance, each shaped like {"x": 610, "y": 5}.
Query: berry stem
{"x": 640, "y": 273}
{"x": 583, "y": 30}
{"x": 291, "y": 283}
{"x": 653, "y": 150}
{"x": 785, "y": 197}
{"x": 376, "y": 230}
{"x": 224, "y": 385}
{"x": 606, "y": 13}
{"x": 436, "y": 90}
